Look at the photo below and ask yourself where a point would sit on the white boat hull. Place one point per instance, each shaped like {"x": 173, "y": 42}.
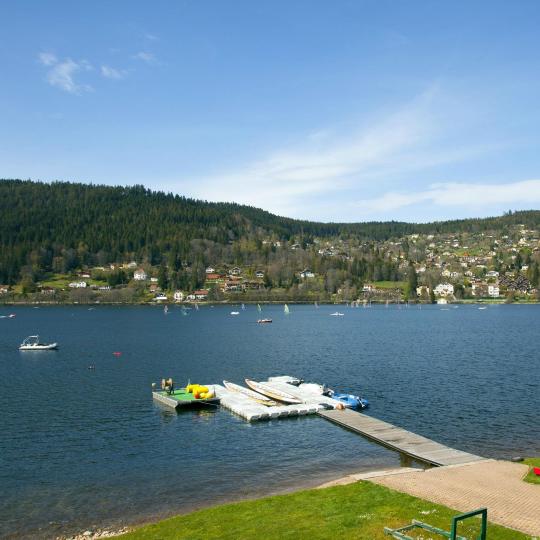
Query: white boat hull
{"x": 256, "y": 396}
{"x": 273, "y": 393}
{"x": 48, "y": 347}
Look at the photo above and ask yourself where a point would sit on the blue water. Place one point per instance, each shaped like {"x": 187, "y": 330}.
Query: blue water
{"x": 82, "y": 448}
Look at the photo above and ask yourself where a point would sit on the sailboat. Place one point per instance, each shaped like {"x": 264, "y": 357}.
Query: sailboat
{"x": 259, "y": 308}
{"x": 286, "y": 309}
{"x": 316, "y": 305}
{"x": 243, "y": 307}
{"x": 166, "y": 310}
{"x": 196, "y": 307}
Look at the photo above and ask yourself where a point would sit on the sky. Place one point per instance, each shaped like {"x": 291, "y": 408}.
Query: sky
{"x": 329, "y": 111}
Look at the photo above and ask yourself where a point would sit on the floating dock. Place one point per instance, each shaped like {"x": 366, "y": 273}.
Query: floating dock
{"x": 401, "y": 440}
{"x": 252, "y": 411}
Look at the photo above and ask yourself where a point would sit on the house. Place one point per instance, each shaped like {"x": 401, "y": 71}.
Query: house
{"x": 178, "y": 296}
{"x": 423, "y": 290}
{"x": 132, "y": 264}
{"x": 259, "y": 274}
{"x": 84, "y": 275}
{"x": 154, "y": 280}
{"x": 235, "y": 271}
{"x": 305, "y": 274}
{"x": 233, "y": 286}
{"x": 444, "y": 289}
{"x": 78, "y": 284}
{"x": 493, "y": 291}
{"x": 140, "y": 275}
{"x": 492, "y": 274}
{"x": 296, "y": 246}
{"x": 104, "y": 288}
{"x": 160, "y": 297}
{"x": 153, "y": 288}
{"x": 48, "y": 291}
{"x": 210, "y": 270}
{"x": 4, "y": 289}
{"x": 201, "y": 294}
{"x": 368, "y": 288}
{"x": 213, "y": 277}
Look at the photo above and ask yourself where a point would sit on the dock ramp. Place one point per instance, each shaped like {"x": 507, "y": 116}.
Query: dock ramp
{"x": 401, "y": 440}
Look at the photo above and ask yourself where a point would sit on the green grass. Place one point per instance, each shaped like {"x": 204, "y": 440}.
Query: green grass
{"x": 355, "y": 511}
{"x": 531, "y": 477}
{"x": 390, "y": 284}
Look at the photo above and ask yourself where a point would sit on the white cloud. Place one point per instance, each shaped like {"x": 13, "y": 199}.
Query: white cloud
{"x": 62, "y": 73}
{"x": 47, "y": 59}
{"x": 147, "y": 57}
{"x": 460, "y": 195}
{"x": 151, "y": 37}
{"x": 332, "y": 163}
{"x": 112, "y": 73}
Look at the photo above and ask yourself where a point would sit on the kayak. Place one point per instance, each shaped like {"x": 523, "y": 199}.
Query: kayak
{"x": 272, "y": 392}
{"x": 255, "y": 396}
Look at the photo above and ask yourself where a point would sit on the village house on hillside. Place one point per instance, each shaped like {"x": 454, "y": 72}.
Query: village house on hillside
{"x": 305, "y": 274}
{"x": 444, "y": 289}
{"x": 140, "y": 275}
{"x": 78, "y": 285}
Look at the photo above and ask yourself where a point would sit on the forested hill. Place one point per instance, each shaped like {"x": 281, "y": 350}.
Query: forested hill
{"x": 41, "y": 221}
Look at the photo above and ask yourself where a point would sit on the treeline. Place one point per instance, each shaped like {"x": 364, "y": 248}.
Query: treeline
{"x": 63, "y": 226}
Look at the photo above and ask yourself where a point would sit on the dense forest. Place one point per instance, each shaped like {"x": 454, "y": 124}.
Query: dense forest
{"x": 62, "y": 226}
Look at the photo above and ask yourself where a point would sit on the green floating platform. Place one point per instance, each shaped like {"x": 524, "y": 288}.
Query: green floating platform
{"x": 182, "y": 399}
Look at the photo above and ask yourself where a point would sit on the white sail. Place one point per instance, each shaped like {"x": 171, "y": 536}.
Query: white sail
{"x": 259, "y": 308}
{"x": 286, "y": 309}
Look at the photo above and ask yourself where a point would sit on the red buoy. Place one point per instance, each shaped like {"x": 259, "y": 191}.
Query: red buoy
{"x": 117, "y": 353}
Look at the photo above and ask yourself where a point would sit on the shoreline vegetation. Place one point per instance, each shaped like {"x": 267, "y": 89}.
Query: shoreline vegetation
{"x": 465, "y": 302}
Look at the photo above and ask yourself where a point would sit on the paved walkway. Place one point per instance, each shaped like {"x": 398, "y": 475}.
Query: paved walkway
{"x": 497, "y": 485}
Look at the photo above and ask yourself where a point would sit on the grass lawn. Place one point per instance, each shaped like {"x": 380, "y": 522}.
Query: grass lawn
{"x": 531, "y": 477}
{"x": 390, "y": 284}
{"x": 354, "y": 511}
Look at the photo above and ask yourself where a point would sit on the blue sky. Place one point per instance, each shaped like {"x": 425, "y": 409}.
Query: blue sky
{"x": 342, "y": 111}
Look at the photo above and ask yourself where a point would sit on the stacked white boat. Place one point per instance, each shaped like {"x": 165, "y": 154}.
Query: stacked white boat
{"x": 252, "y": 405}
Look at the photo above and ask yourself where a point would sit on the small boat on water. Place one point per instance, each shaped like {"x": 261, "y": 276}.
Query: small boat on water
{"x": 31, "y": 343}
{"x": 272, "y": 392}
{"x": 235, "y": 313}
{"x": 286, "y": 309}
{"x": 337, "y": 314}
{"x": 255, "y": 396}
{"x": 349, "y": 400}
{"x": 264, "y": 321}
{"x": 166, "y": 310}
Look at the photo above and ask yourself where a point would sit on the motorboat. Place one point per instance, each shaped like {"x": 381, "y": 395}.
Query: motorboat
{"x": 337, "y": 314}
{"x": 349, "y": 400}
{"x": 32, "y": 343}
{"x": 263, "y": 321}
{"x": 235, "y": 313}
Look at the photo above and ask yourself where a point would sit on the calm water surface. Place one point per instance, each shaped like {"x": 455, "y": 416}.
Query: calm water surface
{"x": 83, "y": 448}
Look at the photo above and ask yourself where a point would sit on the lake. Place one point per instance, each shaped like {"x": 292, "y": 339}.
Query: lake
{"x": 83, "y": 448}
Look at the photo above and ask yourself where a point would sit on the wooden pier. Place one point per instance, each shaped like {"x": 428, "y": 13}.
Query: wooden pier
{"x": 401, "y": 440}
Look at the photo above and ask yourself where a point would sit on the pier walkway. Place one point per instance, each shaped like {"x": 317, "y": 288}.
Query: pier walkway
{"x": 401, "y": 440}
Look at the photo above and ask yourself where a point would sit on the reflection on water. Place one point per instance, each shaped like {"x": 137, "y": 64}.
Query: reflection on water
{"x": 81, "y": 448}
